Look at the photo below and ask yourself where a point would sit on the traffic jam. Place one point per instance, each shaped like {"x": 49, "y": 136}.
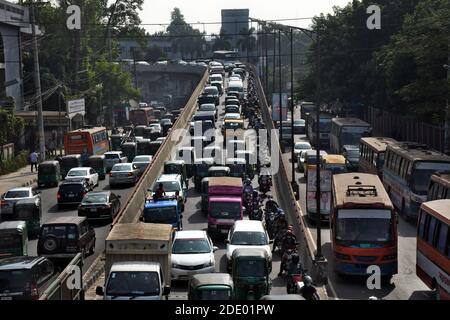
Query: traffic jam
{"x": 212, "y": 227}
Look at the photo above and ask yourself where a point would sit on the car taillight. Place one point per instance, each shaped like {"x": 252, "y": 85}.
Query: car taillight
{"x": 58, "y": 195}
{"x": 130, "y": 174}
{"x": 34, "y": 293}
{"x": 110, "y": 174}
{"x": 2, "y": 202}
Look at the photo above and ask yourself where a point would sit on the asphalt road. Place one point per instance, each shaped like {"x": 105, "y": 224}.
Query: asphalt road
{"x": 404, "y": 286}
{"x": 50, "y": 210}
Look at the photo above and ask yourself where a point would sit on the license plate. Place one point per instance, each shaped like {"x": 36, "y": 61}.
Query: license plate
{"x": 5, "y": 298}
{"x": 70, "y": 195}
{"x": 93, "y": 209}
{"x": 224, "y": 231}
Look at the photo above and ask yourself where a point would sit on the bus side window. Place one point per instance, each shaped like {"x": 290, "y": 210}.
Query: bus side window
{"x": 421, "y": 228}
{"x": 431, "y": 231}
{"x": 442, "y": 237}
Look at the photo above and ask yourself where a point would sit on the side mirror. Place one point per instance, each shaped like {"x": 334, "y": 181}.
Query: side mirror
{"x": 166, "y": 291}
{"x": 270, "y": 241}
{"x": 215, "y": 248}
{"x": 227, "y": 241}
{"x": 99, "y": 291}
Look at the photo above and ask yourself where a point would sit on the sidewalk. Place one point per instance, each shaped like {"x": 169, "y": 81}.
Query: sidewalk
{"x": 21, "y": 178}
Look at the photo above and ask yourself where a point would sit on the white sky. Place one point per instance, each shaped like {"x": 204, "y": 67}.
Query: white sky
{"x": 158, "y": 11}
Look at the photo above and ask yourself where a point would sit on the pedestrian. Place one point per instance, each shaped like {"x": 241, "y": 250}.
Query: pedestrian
{"x": 34, "y": 159}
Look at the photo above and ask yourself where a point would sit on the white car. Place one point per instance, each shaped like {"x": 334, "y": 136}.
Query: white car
{"x": 84, "y": 172}
{"x": 247, "y": 234}
{"x": 300, "y": 147}
{"x": 192, "y": 253}
{"x": 231, "y": 116}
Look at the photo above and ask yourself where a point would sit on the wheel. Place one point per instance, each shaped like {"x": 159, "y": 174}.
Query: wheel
{"x": 50, "y": 243}
{"x": 92, "y": 249}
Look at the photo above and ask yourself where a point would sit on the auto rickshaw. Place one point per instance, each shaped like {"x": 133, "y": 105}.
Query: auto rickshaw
{"x": 116, "y": 141}
{"x": 139, "y": 130}
{"x": 97, "y": 163}
{"x": 250, "y": 273}
{"x": 68, "y": 162}
{"x": 201, "y": 171}
{"x": 250, "y": 162}
{"x": 237, "y": 167}
{"x": 177, "y": 167}
{"x": 129, "y": 149}
{"x": 335, "y": 163}
{"x": 49, "y": 173}
{"x": 27, "y": 210}
{"x": 211, "y": 286}
{"x": 144, "y": 147}
{"x": 218, "y": 171}
{"x": 13, "y": 239}
{"x": 187, "y": 154}
{"x": 205, "y": 195}
{"x": 155, "y": 133}
{"x": 154, "y": 146}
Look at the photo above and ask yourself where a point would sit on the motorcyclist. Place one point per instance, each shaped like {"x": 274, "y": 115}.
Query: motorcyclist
{"x": 288, "y": 241}
{"x": 308, "y": 291}
{"x": 255, "y": 201}
{"x": 294, "y": 267}
{"x": 271, "y": 205}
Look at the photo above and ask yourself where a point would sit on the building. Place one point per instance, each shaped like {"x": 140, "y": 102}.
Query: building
{"x": 14, "y": 20}
{"x": 233, "y": 22}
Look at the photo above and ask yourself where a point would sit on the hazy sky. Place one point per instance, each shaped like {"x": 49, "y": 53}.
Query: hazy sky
{"x": 158, "y": 11}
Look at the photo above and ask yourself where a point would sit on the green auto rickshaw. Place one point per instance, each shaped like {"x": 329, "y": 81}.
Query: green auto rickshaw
{"x": 129, "y": 149}
{"x": 69, "y": 162}
{"x": 237, "y": 167}
{"x": 205, "y": 195}
{"x": 201, "y": 171}
{"x": 187, "y": 154}
{"x": 144, "y": 147}
{"x": 250, "y": 273}
{"x": 211, "y": 286}
{"x": 116, "y": 141}
{"x": 218, "y": 171}
{"x": 13, "y": 239}
{"x": 250, "y": 162}
{"x": 27, "y": 210}
{"x": 97, "y": 163}
{"x": 49, "y": 174}
{"x": 177, "y": 167}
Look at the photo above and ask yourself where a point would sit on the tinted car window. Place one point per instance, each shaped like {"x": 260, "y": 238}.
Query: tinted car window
{"x": 17, "y": 194}
{"x": 14, "y": 280}
{"x": 71, "y": 188}
{"x": 112, "y": 156}
{"x": 60, "y": 231}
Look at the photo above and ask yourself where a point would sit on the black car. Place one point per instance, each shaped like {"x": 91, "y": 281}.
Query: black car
{"x": 99, "y": 205}
{"x": 25, "y": 278}
{"x": 62, "y": 238}
{"x": 71, "y": 192}
{"x": 299, "y": 126}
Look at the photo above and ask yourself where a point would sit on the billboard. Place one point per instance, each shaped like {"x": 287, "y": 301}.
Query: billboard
{"x": 75, "y": 106}
{"x": 276, "y": 106}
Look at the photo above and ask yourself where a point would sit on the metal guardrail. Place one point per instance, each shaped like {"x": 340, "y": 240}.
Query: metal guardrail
{"x": 288, "y": 201}
{"x": 69, "y": 284}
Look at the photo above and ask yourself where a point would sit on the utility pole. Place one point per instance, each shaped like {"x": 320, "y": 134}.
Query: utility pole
{"x": 274, "y": 63}
{"x": 37, "y": 85}
{"x": 60, "y": 131}
{"x": 294, "y": 183}
{"x": 447, "y": 108}
{"x": 279, "y": 91}
{"x": 318, "y": 191}
{"x": 266, "y": 65}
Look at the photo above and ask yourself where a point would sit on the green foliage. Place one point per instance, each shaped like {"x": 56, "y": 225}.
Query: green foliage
{"x": 11, "y": 127}
{"x": 154, "y": 54}
{"x": 18, "y": 162}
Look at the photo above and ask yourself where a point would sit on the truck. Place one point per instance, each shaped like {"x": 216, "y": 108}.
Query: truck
{"x": 163, "y": 211}
{"x": 225, "y": 204}
{"x": 137, "y": 262}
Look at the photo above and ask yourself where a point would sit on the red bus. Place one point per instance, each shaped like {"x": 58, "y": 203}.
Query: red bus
{"x": 93, "y": 141}
{"x": 363, "y": 225}
{"x": 141, "y": 116}
{"x": 433, "y": 247}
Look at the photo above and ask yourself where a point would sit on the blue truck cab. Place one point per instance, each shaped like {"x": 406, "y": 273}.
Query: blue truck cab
{"x": 163, "y": 211}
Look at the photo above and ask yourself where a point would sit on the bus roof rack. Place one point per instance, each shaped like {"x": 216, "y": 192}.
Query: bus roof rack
{"x": 414, "y": 146}
{"x": 362, "y": 191}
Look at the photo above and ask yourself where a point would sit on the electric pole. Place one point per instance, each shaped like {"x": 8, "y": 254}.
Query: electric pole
{"x": 37, "y": 85}
{"x": 447, "y": 108}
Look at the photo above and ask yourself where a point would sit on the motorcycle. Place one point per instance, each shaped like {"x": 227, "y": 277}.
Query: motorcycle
{"x": 256, "y": 213}
{"x": 265, "y": 184}
{"x": 286, "y": 257}
{"x": 294, "y": 283}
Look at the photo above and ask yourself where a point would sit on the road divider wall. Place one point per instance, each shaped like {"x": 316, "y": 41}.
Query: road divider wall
{"x": 286, "y": 198}
{"x": 134, "y": 205}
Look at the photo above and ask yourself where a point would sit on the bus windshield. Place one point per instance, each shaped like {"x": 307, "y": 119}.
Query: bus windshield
{"x": 363, "y": 227}
{"x": 352, "y": 135}
{"x": 422, "y": 173}
{"x": 131, "y": 283}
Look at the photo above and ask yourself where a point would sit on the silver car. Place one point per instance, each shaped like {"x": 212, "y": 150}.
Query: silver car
{"x": 123, "y": 173}
{"x": 142, "y": 162}
{"x": 113, "y": 157}
{"x": 12, "y": 196}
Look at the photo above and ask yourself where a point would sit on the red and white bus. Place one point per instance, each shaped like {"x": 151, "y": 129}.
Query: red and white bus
{"x": 93, "y": 141}
{"x": 433, "y": 247}
{"x": 142, "y": 116}
{"x": 363, "y": 225}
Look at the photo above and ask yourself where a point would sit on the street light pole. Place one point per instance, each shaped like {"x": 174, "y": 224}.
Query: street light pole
{"x": 318, "y": 191}
{"x": 447, "y": 110}
{"x": 279, "y": 89}
{"x": 294, "y": 184}
{"x": 37, "y": 85}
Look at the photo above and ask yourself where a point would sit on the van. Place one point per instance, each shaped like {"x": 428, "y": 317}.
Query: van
{"x": 237, "y": 86}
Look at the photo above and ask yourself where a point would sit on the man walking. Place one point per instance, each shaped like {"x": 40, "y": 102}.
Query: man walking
{"x": 34, "y": 159}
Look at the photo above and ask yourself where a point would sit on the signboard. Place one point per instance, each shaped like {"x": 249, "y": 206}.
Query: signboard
{"x": 75, "y": 106}
{"x": 325, "y": 202}
{"x": 325, "y": 180}
{"x": 276, "y": 106}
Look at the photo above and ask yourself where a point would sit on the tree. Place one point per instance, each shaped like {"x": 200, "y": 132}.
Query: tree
{"x": 154, "y": 54}
{"x": 221, "y": 42}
